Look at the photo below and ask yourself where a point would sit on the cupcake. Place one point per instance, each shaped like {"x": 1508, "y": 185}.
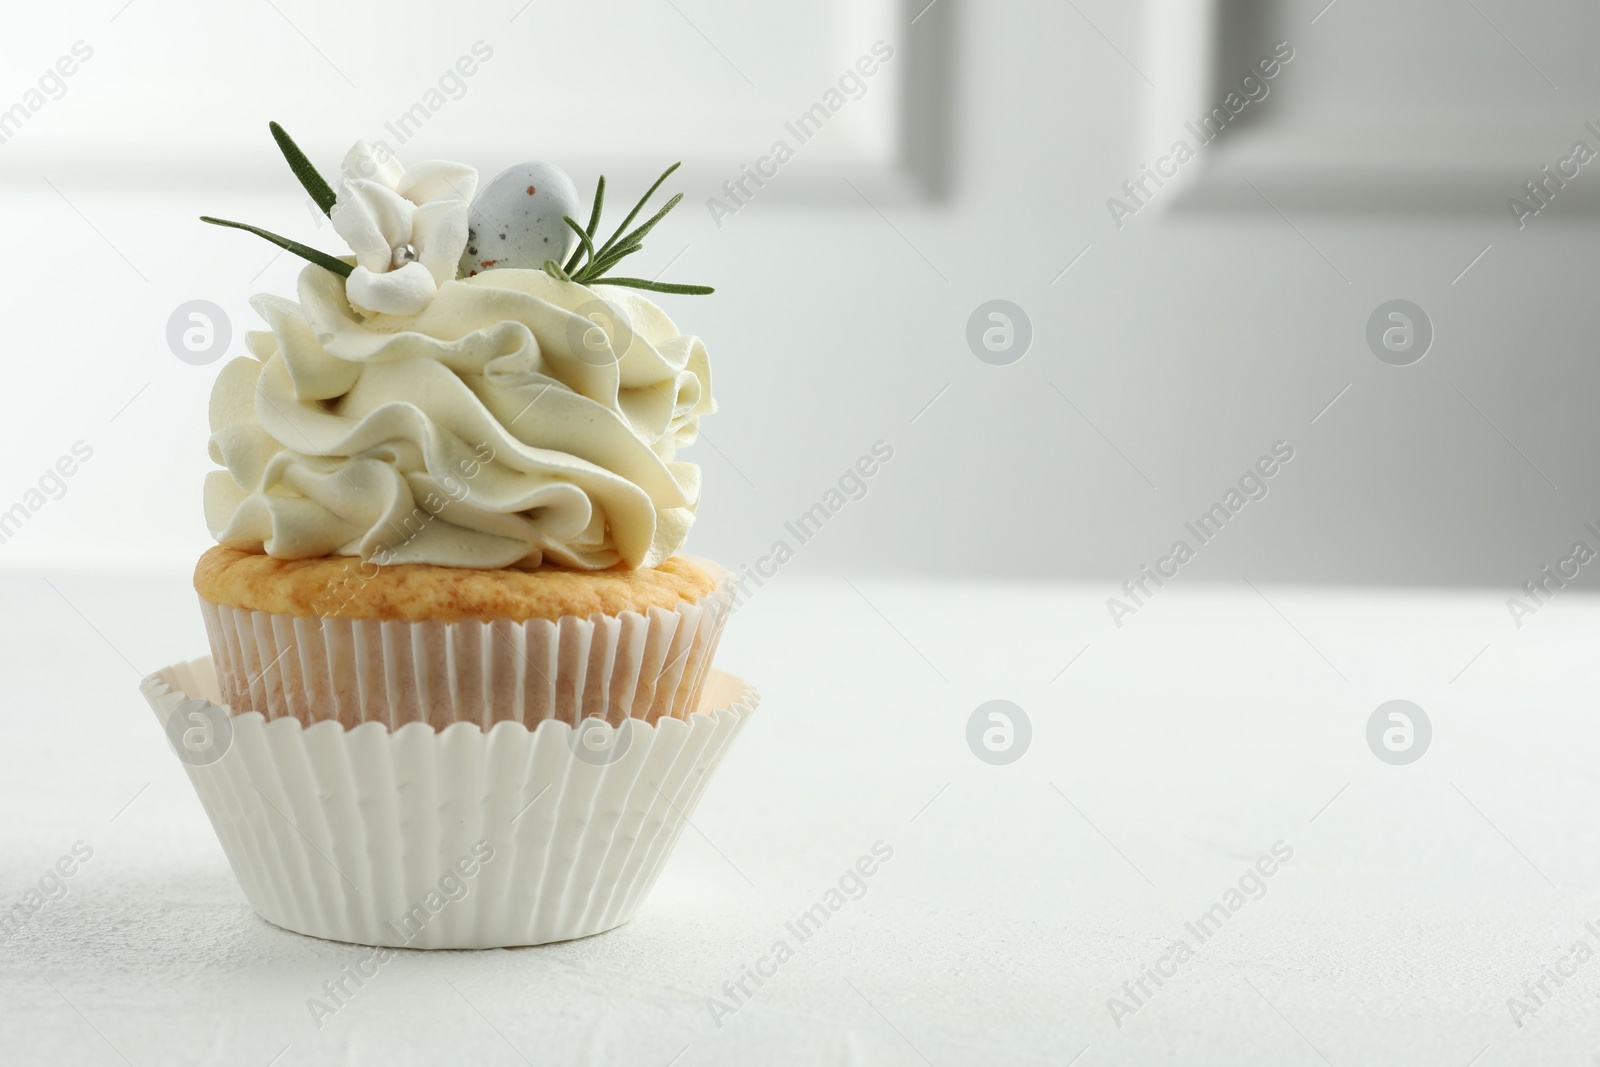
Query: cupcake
{"x": 451, "y": 626}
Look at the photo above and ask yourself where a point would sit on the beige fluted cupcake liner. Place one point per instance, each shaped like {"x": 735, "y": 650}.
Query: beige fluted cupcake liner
{"x": 457, "y": 838}
{"x": 640, "y": 665}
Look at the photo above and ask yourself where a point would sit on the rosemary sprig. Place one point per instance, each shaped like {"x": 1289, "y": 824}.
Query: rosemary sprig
{"x": 320, "y": 191}
{"x": 659, "y": 287}
{"x": 306, "y": 252}
{"x": 637, "y": 237}
{"x": 589, "y": 265}
{"x": 313, "y": 182}
{"x": 585, "y": 242}
{"x": 640, "y": 205}
{"x": 594, "y": 223}
{"x": 609, "y": 260}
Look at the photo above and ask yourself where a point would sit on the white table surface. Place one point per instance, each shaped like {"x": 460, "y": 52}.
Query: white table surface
{"x": 1164, "y": 761}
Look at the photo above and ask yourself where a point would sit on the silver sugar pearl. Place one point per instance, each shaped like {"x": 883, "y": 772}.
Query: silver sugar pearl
{"x": 403, "y": 254}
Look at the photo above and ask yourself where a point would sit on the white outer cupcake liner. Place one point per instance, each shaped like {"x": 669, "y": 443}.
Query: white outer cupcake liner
{"x": 341, "y": 833}
{"x": 644, "y": 665}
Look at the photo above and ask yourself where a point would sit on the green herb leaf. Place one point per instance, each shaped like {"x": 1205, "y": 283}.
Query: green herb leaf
{"x": 622, "y": 244}
{"x": 599, "y": 202}
{"x": 640, "y": 205}
{"x": 636, "y": 238}
{"x": 658, "y": 287}
{"x": 314, "y": 184}
{"x": 594, "y": 221}
{"x": 593, "y": 270}
{"x": 306, "y": 252}
{"x": 585, "y": 244}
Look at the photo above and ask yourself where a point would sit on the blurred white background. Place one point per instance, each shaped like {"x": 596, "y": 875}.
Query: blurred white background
{"x": 1168, "y": 354}
{"x": 1179, "y": 333}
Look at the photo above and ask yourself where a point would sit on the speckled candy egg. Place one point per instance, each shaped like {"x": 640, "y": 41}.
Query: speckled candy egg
{"x": 516, "y": 219}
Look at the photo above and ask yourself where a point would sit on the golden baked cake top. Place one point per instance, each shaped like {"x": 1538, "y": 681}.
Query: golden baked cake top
{"x": 346, "y": 588}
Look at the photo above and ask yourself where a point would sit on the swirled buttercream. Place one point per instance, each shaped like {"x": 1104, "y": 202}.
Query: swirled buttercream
{"x": 517, "y": 419}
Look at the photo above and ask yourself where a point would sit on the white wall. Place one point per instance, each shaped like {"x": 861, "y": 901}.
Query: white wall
{"x": 1191, "y": 340}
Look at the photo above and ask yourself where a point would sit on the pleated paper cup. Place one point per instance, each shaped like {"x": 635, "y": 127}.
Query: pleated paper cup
{"x": 648, "y": 666}
{"x": 457, "y": 838}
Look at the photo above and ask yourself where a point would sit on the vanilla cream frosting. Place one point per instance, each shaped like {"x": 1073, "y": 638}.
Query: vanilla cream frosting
{"x": 515, "y": 419}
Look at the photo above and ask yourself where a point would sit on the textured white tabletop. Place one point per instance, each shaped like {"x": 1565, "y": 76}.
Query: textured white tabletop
{"x": 1412, "y": 922}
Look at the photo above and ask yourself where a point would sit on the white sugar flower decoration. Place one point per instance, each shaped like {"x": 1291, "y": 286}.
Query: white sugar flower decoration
{"x": 407, "y": 228}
